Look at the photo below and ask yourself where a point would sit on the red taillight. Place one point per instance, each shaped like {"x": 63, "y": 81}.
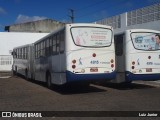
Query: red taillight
{"x": 133, "y": 63}
{"x": 112, "y": 65}
{"x": 94, "y": 54}
{"x": 73, "y": 61}
{"x": 73, "y": 66}
{"x": 149, "y": 57}
{"x": 112, "y": 60}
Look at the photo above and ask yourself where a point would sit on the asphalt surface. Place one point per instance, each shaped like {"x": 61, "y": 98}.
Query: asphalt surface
{"x": 18, "y": 94}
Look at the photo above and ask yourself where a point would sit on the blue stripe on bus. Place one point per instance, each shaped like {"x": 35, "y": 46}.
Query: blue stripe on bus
{"x": 150, "y": 77}
{"x": 72, "y": 77}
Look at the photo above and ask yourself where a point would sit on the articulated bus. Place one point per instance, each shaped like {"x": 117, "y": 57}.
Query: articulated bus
{"x": 23, "y": 60}
{"x": 137, "y": 55}
{"x": 75, "y": 53}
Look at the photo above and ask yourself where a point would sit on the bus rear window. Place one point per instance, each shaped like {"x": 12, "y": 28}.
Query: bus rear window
{"x": 146, "y": 41}
{"x": 91, "y": 36}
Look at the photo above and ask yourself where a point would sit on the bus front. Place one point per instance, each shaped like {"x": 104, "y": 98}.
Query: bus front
{"x": 90, "y": 53}
{"x": 142, "y": 55}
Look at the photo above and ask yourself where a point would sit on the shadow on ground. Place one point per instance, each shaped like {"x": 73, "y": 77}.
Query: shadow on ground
{"x": 126, "y": 86}
{"x": 68, "y": 88}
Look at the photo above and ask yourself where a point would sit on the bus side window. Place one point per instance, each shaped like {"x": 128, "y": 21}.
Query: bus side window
{"x": 20, "y": 53}
{"x": 36, "y": 51}
{"x": 39, "y": 50}
{"x": 57, "y": 43}
{"x": 23, "y": 53}
{"x": 47, "y": 47}
{"x": 27, "y": 50}
{"x": 17, "y": 53}
{"x": 62, "y": 44}
{"x": 54, "y": 44}
{"x": 42, "y": 49}
{"x": 119, "y": 44}
{"x": 50, "y": 46}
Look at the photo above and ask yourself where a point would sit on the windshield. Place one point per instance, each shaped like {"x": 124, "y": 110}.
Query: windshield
{"x": 91, "y": 36}
{"x": 146, "y": 41}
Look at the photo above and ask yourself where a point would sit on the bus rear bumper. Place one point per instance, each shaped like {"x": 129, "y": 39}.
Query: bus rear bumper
{"x": 72, "y": 77}
{"x": 148, "y": 77}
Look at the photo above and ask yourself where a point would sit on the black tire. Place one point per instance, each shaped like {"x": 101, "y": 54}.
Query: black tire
{"x": 15, "y": 72}
{"x": 48, "y": 80}
{"x": 26, "y": 75}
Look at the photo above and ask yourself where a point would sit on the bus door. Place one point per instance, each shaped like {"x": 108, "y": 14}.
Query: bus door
{"x": 58, "y": 58}
{"x": 120, "y": 58}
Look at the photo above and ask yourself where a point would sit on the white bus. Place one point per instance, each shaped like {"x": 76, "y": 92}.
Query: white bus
{"x": 75, "y": 53}
{"x": 137, "y": 55}
{"x": 23, "y": 59}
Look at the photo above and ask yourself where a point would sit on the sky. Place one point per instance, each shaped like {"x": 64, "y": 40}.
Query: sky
{"x": 20, "y": 11}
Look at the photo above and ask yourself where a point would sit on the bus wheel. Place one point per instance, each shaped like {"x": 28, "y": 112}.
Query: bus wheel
{"x": 15, "y": 72}
{"x": 49, "y": 84}
{"x": 26, "y": 74}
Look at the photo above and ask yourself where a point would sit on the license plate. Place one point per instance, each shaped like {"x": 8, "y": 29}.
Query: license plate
{"x": 94, "y": 70}
{"x": 148, "y": 69}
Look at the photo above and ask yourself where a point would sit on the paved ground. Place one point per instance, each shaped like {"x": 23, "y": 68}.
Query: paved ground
{"x": 18, "y": 94}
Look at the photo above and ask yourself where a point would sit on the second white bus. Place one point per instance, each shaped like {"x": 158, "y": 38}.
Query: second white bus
{"x": 137, "y": 55}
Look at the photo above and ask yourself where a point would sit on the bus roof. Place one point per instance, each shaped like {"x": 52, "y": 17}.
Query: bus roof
{"x": 137, "y": 30}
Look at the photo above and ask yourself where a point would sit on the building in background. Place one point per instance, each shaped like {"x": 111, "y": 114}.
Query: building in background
{"x": 40, "y": 26}
{"x": 143, "y": 18}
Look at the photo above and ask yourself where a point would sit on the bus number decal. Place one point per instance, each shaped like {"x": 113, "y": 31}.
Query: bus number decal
{"x": 94, "y": 62}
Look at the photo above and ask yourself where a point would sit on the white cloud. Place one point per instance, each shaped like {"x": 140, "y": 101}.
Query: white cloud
{"x": 2, "y": 11}
{"x": 24, "y": 18}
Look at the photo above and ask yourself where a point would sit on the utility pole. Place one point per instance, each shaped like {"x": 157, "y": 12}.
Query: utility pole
{"x": 72, "y": 15}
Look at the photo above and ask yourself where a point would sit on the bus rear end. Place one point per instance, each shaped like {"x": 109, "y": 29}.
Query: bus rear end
{"x": 143, "y": 55}
{"x": 90, "y": 53}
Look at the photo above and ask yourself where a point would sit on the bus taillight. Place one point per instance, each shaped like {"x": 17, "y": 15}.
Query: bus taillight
{"x": 112, "y": 60}
{"x": 73, "y": 61}
{"x": 94, "y": 54}
{"x": 133, "y": 67}
{"x": 112, "y": 65}
{"x": 149, "y": 57}
{"x": 133, "y": 63}
{"x": 73, "y": 66}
